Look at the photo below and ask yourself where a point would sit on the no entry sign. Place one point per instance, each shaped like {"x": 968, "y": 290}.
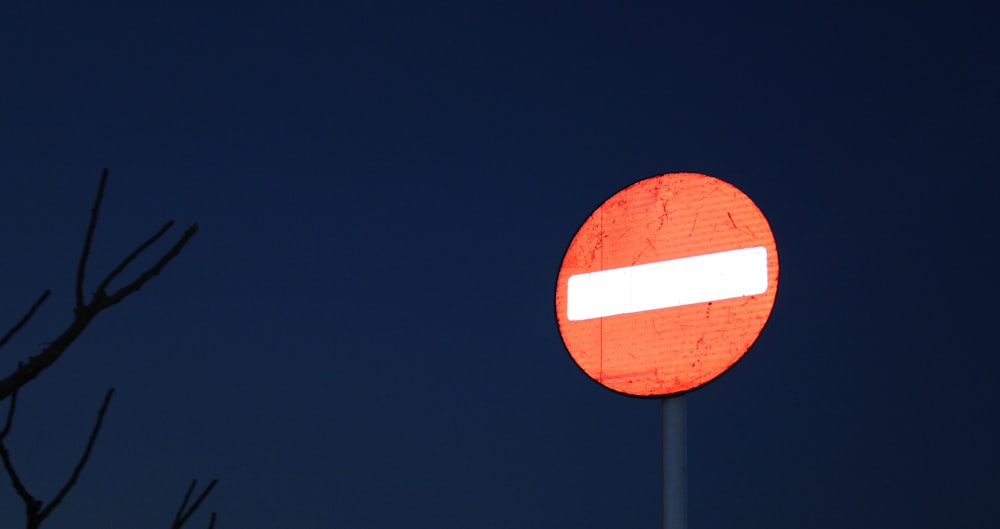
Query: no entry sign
{"x": 667, "y": 284}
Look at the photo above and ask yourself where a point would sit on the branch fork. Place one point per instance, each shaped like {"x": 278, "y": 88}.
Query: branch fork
{"x": 84, "y": 312}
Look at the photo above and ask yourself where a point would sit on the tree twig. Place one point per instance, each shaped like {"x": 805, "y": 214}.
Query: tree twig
{"x": 82, "y": 266}
{"x": 10, "y": 416}
{"x": 102, "y": 288}
{"x": 150, "y": 273}
{"x": 182, "y": 516}
{"x": 184, "y": 502}
{"x": 83, "y": 458}
{"x": 31, "y": 504}
{"x": 24, "y": 319}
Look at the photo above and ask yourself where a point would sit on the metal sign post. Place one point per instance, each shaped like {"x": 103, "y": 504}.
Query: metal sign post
{"x": 674, "y": 435}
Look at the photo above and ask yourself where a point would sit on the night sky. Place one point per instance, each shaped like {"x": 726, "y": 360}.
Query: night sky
{"x": 363, "y": 335}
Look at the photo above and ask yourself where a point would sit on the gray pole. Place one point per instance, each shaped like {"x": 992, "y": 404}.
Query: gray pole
{"x": 674, "y": 435}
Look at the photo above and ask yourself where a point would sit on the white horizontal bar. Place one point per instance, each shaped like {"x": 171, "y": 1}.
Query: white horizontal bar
{"x": 672, "y": 283}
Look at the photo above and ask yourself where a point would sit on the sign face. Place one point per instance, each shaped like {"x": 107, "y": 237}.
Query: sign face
{"x": 667, "y": 284}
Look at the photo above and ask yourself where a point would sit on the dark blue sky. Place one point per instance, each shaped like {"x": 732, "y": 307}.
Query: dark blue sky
{"x": 362, "y": 334}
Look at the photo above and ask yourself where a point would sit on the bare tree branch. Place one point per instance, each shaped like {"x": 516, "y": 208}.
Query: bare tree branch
{"x": 10, "y": 416}
{"x": 24, "y": 319}
{"x": 82, "y": 267}
{"x": 102, "y": 288}
{"x": 84, "y": 312}
{"x": 32, "y": 506}
{"x": 26, "y": 371}
{"x": 83, "y": 459}
{"x": 182, "y": 517}
{"x": 184, "y": 502}
{"x": 153, "y": 271}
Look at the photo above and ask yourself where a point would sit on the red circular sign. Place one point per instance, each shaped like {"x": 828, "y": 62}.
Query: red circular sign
{"x": 667, "y": 284}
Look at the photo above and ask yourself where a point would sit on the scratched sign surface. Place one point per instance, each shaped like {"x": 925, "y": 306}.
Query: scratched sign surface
{"x": 667, "y": 284}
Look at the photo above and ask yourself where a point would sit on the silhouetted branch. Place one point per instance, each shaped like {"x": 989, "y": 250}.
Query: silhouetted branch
{"x": 184, "y": 502}
{"x": 182, "y": 517}
{"x": 10, "y": 416}
{"x": 82, "y": 267}
{"x": 30, "y": 503}
{"x": 84, "y": 313}
{"x": 83, "y": 458}
{"x": 33, "y": 506}
{"x": 102, "y": 288}
{"x": 152, "y": 272}
{"x": 24, "y": 319}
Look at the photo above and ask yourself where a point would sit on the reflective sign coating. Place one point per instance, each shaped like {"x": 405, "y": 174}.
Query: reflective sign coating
{"x": 667, "y": 284}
